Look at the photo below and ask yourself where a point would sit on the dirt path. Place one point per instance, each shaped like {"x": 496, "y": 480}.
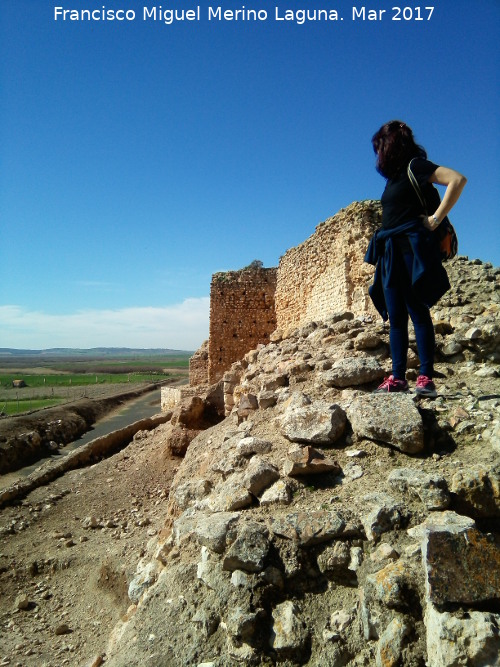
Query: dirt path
{"x": 63, "y": 583}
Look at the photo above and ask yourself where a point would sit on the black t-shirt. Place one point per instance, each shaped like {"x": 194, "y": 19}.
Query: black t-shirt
{"x": 400, "y": 202}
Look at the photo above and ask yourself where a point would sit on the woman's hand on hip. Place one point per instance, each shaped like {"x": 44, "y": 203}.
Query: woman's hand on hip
{"x": 429, "y": 222}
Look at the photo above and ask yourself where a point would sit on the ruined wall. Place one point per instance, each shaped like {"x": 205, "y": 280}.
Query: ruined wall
{"x": 170, "y": 396}
{"x": 323, "y": 275}
{"x": 326, "y": 273}
{"x": 198, "y": 366}
{"x": 242, "y": 315}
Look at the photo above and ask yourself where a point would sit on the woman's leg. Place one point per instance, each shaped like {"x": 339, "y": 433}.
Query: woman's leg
{"x": 398, "y": 334}
{"x": 424, "y": 328}
{"x": 424, "y": 333}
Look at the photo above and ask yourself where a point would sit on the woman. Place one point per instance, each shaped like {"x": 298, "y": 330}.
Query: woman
{"x": 409, "y": 277}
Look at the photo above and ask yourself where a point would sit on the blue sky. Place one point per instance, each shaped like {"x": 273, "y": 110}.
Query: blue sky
{"x": 138, "y": 158}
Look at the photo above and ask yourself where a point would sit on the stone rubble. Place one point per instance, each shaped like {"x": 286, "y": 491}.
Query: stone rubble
{"x": 319, "y": 524}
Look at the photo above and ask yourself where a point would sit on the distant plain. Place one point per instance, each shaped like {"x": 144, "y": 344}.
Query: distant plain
{"x": 54, "y": 377}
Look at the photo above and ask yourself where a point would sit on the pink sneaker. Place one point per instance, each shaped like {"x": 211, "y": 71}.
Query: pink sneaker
{"x": 425, "y": 387}
{"x": 391, "y": 384}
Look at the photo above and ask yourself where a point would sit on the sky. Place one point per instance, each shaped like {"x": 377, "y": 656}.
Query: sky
{"x": 138, "y": 157}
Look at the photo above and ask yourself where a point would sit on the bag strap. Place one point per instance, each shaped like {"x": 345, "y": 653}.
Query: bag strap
{"x": 416, "y": 187}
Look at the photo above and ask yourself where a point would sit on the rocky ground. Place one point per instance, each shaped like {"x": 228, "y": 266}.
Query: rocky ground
{"x": 68, "y": 550}
{"x": 317, "y": 524}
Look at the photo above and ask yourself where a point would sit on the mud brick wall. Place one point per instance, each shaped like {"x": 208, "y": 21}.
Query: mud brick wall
{"x": 326, "y": 273}
{"x": 242, "y": 315}
{"x": 198, "y": 366}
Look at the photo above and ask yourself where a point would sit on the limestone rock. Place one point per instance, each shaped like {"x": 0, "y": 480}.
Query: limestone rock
{"x": 279, "y": 493}
{"x": 339, "y": 621}
{"x": 470, "y": 638}
{"x": 356, "y": 559}
{"x": 432, "y": 490}
{"x": 189, "y": 412}
{"x": 392, "y": 419}
{"x": 248, "y": 446}
{"x": 308, "y": 461}
{"x": 462, "y": 565}
{"x": 388, "y": 584}
{"x": 274, "y": 382}
{"x": 390, "y": 644}
{"x": 367, "y": 340}
{"x": 259, "y": 475}
{"x": 230, "y": 495}
{"x": 334, "y": 557}
{"x": 146, "y": 575}
{"x": 353, "y": 371}
{"x": 341, "y": 316}
{"x": 477, "y": 491}
{"x": 383, "y": 553}
{"x": 493, "y": 435}
{"x": 22, "y": 602}
{"x": 241, "y": 624}
{"x": 187, "y": 493}
{"x": 184, "y": 526}
{"x": 206, "y": 622}
{"x": 369, "y": 619}
{"x": 211, "y": 530}
{"x": 179, "y": 439}
{"x": 210, "y": 572}
{"x": 487, "y": 372}
{"x": 267, "y": 399}
{"x": 249, "y": 550}
{"x": 382, "y": 513}
{"x": 308, "y": 528}
{"x": 317, "y": 423}
{"x": 289, "y": 632}
{"x": 451, "y": 348}
{"x": 247, "y": 404}
{"x": 351, "y": 472}
{"x": 443, "y": 521}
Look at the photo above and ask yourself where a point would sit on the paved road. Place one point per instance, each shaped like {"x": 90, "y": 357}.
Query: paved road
{"x": 144, "y": 406}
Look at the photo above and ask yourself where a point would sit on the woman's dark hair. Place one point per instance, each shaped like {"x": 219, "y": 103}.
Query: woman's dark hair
{"x": 395, "y": 146}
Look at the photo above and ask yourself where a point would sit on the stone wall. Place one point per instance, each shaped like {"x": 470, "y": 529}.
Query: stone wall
{"x": 326, "y": 273}
{"x": 323, "y": 275}
{"x": 242, "y": 315}
{"x": 198, "y": 366}
{"x": 170, "y": 396}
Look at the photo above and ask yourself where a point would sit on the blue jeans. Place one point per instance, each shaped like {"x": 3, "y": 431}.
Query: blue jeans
{"x": 401, "y": 302}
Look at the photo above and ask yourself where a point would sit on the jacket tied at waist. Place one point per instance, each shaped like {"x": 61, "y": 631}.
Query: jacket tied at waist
{"x": 428, "y": 276}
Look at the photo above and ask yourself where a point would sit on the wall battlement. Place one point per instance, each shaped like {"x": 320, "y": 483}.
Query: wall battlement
{"x": 324, "y": 274}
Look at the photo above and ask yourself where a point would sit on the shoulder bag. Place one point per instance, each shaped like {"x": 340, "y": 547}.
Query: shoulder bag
{"x": 445, "y": 234}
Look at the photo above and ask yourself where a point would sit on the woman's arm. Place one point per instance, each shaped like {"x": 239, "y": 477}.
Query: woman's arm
{"x": 455, "y": 183}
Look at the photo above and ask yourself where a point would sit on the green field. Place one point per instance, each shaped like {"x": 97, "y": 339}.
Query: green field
{"x": 122, "y": 365}
{"x": 15, "y": 407}
{"x": 62, "y": 378}
{"x": 46, "y": 380}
